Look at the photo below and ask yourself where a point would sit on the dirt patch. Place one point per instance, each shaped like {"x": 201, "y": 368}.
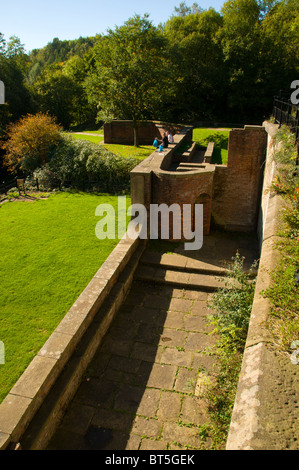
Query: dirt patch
{"x": 23, "y": 197}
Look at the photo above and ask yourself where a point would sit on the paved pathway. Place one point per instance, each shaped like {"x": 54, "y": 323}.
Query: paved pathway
{"x": 143, "y": 387}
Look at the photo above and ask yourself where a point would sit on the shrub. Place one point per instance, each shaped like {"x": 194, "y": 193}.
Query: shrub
{"x": 231, "y": 305}
{"x": 29, "y": 142}
{"x": 285, "y": 155}
{"x": 80, "y": 162}
{"x": 231, "y": 308}
{"x": 47, "y": 179}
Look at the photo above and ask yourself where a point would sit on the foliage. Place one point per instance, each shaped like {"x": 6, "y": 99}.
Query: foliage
{"x": 196, "y": 58}
{"x": 17, "y": 95}
{"x": 283, "y": 294}
{"x": 231, "y": 305}
{"x": 59, "y": 90}
{"x": 29, "y": 142}
{"x": 285, "y": 154}
{"x": 231, "y": 308}
{"x": 129, "y": 72}
{"x": 77, "y": 162}
{"x": 283, "y": 291}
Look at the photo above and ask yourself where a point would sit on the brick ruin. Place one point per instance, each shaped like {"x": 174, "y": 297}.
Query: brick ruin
{"x": 230, "y": 193}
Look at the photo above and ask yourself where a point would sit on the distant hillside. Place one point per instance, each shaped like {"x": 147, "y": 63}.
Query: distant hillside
{"x": 57, "y": 51}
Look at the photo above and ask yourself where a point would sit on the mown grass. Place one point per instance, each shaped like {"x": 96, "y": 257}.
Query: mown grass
{"x": 200, "y": 135}
{"x": 91, "y": 138}
{"x": 49, "y": 253}
{"x": 126, "y": 151}
{"x": 203, "y": 135}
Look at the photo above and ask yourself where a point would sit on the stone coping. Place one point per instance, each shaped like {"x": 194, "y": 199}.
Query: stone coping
{"x": 27, "y": 395}
{"x": 158, "y": 161}
{"x": 248, "y": 407}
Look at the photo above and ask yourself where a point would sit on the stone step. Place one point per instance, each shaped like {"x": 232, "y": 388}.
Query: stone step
{"x": 178, "y": 262}
{"x": 179, "y": 278}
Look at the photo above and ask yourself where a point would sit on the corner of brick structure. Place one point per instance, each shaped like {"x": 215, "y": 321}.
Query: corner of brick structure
{"x": 265, "y": 414}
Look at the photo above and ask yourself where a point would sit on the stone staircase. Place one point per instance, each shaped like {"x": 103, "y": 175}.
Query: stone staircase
{"x": 181, "y": 271}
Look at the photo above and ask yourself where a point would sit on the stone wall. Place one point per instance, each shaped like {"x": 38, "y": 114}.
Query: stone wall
{"x": 193, "y": 187}
{"x": 266, "y": 413}
{"x": 35, "y": 405}
{"x": 122, "y": 132}
{"x": 237, "y": 186}
{"x": 229, "y": 193}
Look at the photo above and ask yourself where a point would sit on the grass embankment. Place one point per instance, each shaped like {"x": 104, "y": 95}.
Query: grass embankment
{"x": 283, "y": 292}
{"x": 220, "y": 137}
{"x": 49, "y": 253}
{"x": 126, "y": 151}
{"x": 200, "y": 135}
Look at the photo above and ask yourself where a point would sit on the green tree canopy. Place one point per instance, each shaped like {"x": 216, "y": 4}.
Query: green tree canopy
{"x": 197, "y": 58}
{"x": 128, "y": 80}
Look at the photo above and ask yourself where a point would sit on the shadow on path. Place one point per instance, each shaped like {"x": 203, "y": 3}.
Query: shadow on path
{"x": 142, "y": 390}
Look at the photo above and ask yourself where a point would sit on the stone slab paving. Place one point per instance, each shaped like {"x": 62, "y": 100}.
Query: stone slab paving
{"x": 142, "y": 389}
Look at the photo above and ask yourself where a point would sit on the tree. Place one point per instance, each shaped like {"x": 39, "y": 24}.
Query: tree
{"x": 12, "y": 68}
{"x": 280, "y": 38}
{"x": 29, "y": 142}
{"x": 184, "y": 10}
{"x": 198, "y": 61}
{"x": 131, "y": 66}
{"x": 241, "y": 45}
{"x": 55, "y": 92}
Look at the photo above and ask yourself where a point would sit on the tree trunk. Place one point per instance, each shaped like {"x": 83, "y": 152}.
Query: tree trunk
{"x": 136, "y": 143}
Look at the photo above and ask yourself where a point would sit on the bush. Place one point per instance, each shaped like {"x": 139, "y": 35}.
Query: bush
{"x": 283, "y": 291}
{"x": 231, "y": 305}
{"x": 231, "y": 308}
{"x": 81, "y": 163}
{"x": 46, "y": 178}
{"x": 29, "y": 142}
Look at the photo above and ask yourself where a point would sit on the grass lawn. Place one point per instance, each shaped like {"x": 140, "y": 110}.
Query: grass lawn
{"x": 140, "y": 153}
{"x": 92, "y": 138}
{"x": 126, "y": 151}
{"x": 49, "y": 253}
{"x": 203, "y": 135}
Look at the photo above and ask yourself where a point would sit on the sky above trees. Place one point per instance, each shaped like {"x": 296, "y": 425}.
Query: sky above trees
{"x": 37, "y": 22}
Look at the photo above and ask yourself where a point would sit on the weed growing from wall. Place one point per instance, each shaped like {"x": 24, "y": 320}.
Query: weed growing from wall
{"x": 231, "y": 308}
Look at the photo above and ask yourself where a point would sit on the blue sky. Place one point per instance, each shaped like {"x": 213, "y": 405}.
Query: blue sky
{"x": 37, "y": 22}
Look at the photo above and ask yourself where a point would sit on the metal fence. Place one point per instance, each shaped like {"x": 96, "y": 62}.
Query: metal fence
{"x": 285, "y": 112}
{"x": 108, "y": 185}
{"x": 7, "y": 185}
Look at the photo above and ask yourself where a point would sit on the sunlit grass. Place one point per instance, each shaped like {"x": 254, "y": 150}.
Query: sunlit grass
{"x": 141, "y": 152}
{"x": 49, "y": 253}
{"x": 203, "y": 135}
{"x": 126, "y": 151}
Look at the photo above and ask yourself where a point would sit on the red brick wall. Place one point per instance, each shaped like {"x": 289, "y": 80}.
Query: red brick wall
{"x": 230, "y": 194}
{"x": 121, "y": 132}
{"x": 237, "y": 187}
{"x": 188, "y": 188}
